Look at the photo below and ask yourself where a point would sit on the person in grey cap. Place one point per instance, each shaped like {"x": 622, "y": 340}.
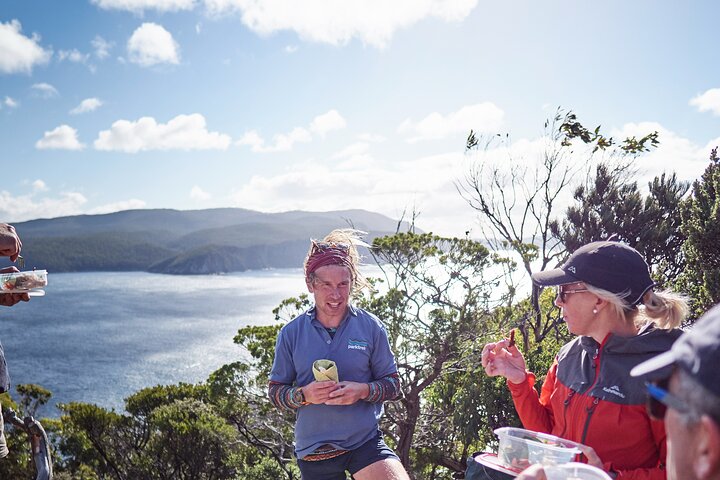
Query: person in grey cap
{"x": 685, "y": 392}
{"x": 606, "y": 297}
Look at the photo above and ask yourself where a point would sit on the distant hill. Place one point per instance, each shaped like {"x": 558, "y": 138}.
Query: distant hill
{"x": 185, "y": 241}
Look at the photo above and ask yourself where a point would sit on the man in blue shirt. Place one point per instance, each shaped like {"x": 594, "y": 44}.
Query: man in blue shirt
{"x": 337, "y": 422}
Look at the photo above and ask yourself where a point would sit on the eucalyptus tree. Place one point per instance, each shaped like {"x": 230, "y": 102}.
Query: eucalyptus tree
{"x": 521, "y": 201}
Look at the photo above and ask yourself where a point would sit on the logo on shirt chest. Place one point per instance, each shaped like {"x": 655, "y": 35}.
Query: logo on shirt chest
{"x": 615, "y": 390}
{"x": 357, "y": 345}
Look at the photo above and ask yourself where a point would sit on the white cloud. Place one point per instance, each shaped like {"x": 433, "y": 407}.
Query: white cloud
{"x": 63, "y": 137}
{"x": 132, "y": 204}
{"x": 327, "y": 122}
{"x": 252, "y": 139}
{"x": 381, "y": 186}
{"x": 39, "y": 186}
{"x": 184, "y": 132}
{"x": 374, "y": 22}
{"x": 139, "y": 6}
{"x": 87, "y": 105}
{"x": 73, "y": 55}
{"x": 197, "y": 193}
{"x": 11, "y": 103}
{"x": 481, "y": 117}
{"x": 371, "y": 137}
{"x": 708, "y": 101}
{"x": 101, "y": 46}
{"x": 354, "y": 174}
{"x": 674, "y": 151}
{"x": 20, "y": 53}
{"x": 45, "y": 90}
{"x": 150, "y": 44}
{"x": 284, "y": 142}
{"x": 28, "y": 207}
{"x": 291, "y": 48}
{"x": 354, "y": 150}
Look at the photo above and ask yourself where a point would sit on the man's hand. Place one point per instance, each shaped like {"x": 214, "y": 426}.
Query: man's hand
{"x": 348, "y": 393}
{"x": 318, "y": 392}
{"x": 10, "y": 244}
{"x": 10, "y": 299}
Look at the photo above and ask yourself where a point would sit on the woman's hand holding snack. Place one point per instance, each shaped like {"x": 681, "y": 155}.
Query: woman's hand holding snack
{"x": 503, "y": 358}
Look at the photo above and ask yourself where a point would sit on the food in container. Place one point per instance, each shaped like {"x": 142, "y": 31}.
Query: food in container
{"x": 520, "y": 448}
{"x": 23, "y": 282}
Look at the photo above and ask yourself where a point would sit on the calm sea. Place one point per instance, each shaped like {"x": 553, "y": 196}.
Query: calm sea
{"x": 99, "y": 337}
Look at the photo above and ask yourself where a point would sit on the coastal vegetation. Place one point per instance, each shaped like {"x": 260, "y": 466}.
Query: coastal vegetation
{"x": 440, "y": 304}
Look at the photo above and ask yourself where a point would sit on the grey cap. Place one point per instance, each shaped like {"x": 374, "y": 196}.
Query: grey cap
{"x": 697, "y": 352}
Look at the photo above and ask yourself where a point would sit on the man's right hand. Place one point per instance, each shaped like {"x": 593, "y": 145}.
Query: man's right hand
{"x": 10, "y": 244}
{"x": 318, "y": 392}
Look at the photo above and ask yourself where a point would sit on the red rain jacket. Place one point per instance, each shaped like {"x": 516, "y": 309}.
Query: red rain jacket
{"x": 589, "y": 397}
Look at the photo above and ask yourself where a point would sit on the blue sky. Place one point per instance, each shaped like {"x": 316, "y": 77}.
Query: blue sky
{"x": 327, "y": 104}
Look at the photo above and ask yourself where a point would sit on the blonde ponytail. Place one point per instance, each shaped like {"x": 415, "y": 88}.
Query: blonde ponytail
{"x": 666, "y": 309}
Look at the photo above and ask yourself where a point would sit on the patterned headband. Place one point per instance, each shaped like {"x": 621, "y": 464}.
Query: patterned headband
{"x": 328, "y": 253}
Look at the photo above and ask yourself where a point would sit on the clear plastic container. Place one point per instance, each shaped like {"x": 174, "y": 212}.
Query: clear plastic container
{"x": 575, "y": 471}
{"x": 23, "y": 282}
{"x": 520, "y": 448}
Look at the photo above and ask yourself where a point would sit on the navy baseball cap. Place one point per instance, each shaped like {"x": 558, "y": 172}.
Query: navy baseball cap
{"x": 612, "y": 266}
{"x": 697, "y": 352}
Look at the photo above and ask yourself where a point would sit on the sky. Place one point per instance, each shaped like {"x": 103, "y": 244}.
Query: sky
{"x": 320, "y": 105}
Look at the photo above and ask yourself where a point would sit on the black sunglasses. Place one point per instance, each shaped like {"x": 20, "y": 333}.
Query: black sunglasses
{"x": 660, "y": 399}
{"x": 562, "y": 294}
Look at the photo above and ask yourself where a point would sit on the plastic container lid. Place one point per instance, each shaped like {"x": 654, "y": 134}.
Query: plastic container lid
{"x": 520, "y": 448}
{"x": 575, "y": 471}
{"x": 22, "y": 282}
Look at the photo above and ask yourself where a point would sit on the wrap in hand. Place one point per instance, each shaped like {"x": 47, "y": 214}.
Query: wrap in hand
{"x": 325, "y": 370}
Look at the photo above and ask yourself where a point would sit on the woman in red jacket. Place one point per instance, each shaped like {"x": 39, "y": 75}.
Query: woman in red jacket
{"x": 606, "y": 296}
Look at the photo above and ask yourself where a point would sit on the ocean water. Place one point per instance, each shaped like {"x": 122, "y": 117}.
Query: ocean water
{"x": 99, "y": 337}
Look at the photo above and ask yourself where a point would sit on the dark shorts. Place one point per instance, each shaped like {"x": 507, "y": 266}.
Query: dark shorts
{"x": 366, "y": 454}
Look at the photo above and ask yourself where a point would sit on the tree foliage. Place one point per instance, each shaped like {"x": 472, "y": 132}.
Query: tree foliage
{"x": 701, "y": 225}
{"x": 610, "y": 205}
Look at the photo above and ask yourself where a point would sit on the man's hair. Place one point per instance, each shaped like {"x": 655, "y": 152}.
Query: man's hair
{"x": 701, "y": 400}
{"x": 348, "y": 239}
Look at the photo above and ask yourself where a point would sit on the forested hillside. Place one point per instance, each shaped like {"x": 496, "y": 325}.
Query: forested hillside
{"x": 185, "y": 242}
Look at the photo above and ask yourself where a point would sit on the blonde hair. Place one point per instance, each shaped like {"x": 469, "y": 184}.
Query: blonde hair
{"x": 352, "y": 239}
{"x": 666, "y": 309}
